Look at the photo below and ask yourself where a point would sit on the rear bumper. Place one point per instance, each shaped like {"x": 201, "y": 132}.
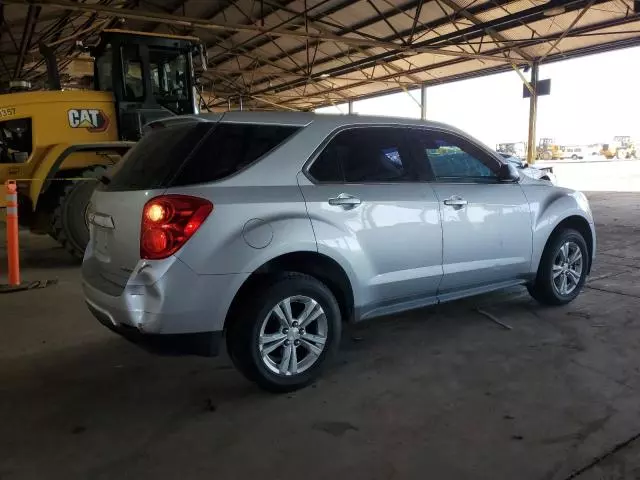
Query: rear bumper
{"x": 167, "y": 308}
{"x": 206, "y": 344}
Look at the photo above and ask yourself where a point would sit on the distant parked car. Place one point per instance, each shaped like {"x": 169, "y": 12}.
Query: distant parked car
{"x": 574, "y": 153}
{"x": 274, "y": 229}
{"x": 534, "y": 171}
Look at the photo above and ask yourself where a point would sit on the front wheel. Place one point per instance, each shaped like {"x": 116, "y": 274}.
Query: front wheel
{"x": 282, "y": 339}
{"x": 562, "y": 270}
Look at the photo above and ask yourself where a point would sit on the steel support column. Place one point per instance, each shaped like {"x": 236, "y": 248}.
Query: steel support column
{"x": 350, "y": 103}
{"x": 423, "y": 102}
{"x": 533, "y": 115}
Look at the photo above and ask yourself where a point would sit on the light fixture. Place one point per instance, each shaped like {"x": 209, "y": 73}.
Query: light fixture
{"x": 324, "y": 75}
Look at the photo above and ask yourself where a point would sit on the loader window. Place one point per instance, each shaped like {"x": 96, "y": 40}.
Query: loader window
{"x": 104, "y": 67}
{"x": 15, "y": 141}
{"x": 132, "y": 69}
{"x": 169, "y": 74}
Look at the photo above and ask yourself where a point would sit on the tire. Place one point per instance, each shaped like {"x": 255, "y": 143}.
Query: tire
{"x": 547, "y": 291}
{"x": 257, "y": 318}
{"x": 68, "y": 222}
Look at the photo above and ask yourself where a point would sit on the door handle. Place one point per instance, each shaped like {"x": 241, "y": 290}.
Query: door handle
{"x": 456, "y": 202}
{"x": 345, "y": 200}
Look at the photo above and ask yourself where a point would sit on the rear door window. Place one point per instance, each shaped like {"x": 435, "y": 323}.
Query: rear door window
{"x": 229, "y": 148}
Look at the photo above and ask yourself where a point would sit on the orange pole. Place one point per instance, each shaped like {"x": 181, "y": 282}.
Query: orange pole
{"x": 13, "y": 249}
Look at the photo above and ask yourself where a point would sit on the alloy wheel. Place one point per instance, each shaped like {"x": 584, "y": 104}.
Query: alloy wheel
{"x": 293, "y": 335}
{"x": 567, "y": 268}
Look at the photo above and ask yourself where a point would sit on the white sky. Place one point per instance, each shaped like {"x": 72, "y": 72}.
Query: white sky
{"x": 592, "y": 99}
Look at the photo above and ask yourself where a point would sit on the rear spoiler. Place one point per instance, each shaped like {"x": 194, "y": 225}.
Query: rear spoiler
{"x": 181, "y": 120}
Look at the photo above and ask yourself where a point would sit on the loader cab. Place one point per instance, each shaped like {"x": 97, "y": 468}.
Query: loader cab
{"x": 150, "y": 76}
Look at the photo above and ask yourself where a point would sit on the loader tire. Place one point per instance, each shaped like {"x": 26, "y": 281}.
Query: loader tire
{"x": 69, "y": 222}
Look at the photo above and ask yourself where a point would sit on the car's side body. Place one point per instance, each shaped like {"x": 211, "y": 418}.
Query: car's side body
{"x": 400, "y": 247}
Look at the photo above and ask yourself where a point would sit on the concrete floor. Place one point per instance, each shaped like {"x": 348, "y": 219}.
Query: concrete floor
{"x": 439, "y": 393}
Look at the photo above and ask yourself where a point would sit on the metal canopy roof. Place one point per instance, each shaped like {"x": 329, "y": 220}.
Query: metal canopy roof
{"x": 303, "y": 54}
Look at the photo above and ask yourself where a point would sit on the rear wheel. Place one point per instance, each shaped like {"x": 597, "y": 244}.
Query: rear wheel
{"x": 70, "y": 225}
{"x": 563, "y": 269}
{"x": 282, "y": 339}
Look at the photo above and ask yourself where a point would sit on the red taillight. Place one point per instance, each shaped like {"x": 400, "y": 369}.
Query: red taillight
{"x": 168, "y": 222}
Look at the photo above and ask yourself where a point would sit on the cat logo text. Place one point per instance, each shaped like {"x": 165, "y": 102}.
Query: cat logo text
{"x": 91, "y": 119}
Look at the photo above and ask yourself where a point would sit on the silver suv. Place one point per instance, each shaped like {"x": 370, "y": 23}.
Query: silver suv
{"x": 276, "y": 228}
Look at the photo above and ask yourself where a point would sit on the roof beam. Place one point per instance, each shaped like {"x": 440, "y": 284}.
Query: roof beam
{"x": 497, "y": 36}
{"x": 360, "y": 50}
{"x": 372, "y": 60}
{"x": 590, "y": 50}
{"x": 264, "y": 40}
{"x": 373, "y": 20}
{"x": 566, "y": 32}
{"x": 27, "y": 36}
{"x": 210, "y": 25}
{"x": 500, "y": 68}
{"x": 503, "y": 23}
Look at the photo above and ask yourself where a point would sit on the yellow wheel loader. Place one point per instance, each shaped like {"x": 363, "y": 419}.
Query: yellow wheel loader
{"x": 58, "y": 143}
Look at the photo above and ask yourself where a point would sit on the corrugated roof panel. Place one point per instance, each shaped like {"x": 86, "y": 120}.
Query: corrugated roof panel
{"x": 430, "y": 12}
{"x": 404, "y": 21}
{"x": 570, "y": 43}
{"x": 506, "y": 9}
{"x": 378, "y": 29}
{"x": 358, "y": 10}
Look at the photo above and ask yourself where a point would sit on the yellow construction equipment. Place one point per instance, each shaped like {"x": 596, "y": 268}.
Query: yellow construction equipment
{"x": 548, "y": 150}
{"x": 621, "y": 148}
{"x": 56, "y": 144}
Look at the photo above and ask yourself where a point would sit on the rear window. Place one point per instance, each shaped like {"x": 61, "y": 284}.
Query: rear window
{"x": 230, "y": 148}
{"x": 157, "y": 157}
{"x": 166, "y": 157}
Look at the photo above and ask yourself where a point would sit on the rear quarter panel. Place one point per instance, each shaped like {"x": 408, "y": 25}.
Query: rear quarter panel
{"x": 549, "y": 207}
{"x": 248, "y": 227}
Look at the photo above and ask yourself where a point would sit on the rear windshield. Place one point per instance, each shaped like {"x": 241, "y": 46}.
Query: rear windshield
{"x": 157, "y": 157}
{"x": 194, "y": 153}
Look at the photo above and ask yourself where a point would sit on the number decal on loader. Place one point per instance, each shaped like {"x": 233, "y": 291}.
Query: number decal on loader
{"x": 7, "y": 112}
{"x": 92, "y": 119}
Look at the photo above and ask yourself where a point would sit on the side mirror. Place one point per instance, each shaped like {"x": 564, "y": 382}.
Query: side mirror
{"x": 508, "y": 173}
